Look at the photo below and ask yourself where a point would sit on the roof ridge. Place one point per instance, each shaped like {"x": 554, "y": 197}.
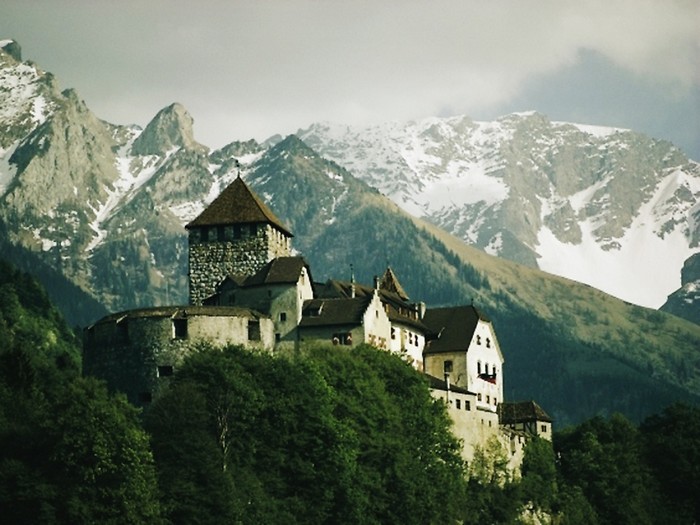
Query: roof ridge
{"x": 237, "y": 204}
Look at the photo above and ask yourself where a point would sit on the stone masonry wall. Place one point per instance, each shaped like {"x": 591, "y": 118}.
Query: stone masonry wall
{"x": 210, "y": 261}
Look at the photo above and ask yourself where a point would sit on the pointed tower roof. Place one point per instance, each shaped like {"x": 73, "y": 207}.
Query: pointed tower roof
{"x": 390, "y": 283}
{"x": 237, "y": 204}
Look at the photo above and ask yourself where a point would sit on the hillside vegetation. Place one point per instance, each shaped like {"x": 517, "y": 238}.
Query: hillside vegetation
{"x": 331, "y": 435}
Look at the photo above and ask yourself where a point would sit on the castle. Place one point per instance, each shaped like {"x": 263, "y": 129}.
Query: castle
{"x": 246, "y": 287}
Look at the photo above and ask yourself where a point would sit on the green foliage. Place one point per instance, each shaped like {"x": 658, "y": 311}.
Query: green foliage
{"x": 408, "y": 468}
{"x": 271, "y": 451}
{"x": 672, "y": 450}
{"x": 605, "y": 459}
{"x": 539, "y": 474}
{"x": 333, "y": 436}
{"x": 69, "y": 451}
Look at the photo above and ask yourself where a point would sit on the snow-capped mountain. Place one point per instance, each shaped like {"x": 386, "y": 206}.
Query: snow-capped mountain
{"x": 103, "y": 206}
{"x": 608, "y": 207}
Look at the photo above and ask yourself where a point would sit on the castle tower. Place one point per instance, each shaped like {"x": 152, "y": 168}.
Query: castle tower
{"x": 237, "y": 234}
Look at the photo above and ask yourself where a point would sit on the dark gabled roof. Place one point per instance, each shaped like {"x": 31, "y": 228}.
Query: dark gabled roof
{"x": 334, "y": 312}
{"x": 399, "y": 311}
{"x": 454, "y": 325}
{"x": 521, "y": 412}
{"x": 440, "y": 384}
{"x": 390, "y": 283}
{"x": 333, "y": 289}
{"x": 282, "y": 270}
{"x": 237, "y": 204}
{"x": 181, "y": 312}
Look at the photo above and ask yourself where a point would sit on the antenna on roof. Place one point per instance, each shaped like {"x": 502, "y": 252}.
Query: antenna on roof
{"x": 352, "y": 281}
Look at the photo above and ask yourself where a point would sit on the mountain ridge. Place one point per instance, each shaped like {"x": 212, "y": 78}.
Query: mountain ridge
{"x": 114, "y": 229}
{"x": 567, "y": 198}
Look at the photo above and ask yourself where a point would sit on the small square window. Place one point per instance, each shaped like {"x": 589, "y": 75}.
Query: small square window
{"x": 283, "y": 316}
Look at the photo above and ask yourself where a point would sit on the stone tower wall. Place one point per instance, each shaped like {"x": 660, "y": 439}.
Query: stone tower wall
{"x": 211, "y": 259}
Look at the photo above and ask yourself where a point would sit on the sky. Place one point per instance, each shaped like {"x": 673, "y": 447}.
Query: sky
{"x": 252, "y": 69}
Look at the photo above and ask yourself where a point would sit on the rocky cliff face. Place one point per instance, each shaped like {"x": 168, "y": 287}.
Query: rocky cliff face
{"x": 685, "y": 302}
{"x": 594, "y": 204}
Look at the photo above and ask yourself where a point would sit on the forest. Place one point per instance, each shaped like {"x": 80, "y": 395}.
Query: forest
{"x": 322, "y": 436}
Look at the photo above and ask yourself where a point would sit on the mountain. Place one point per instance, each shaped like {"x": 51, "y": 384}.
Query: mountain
{"x": 103, "y": 206}
{"x": 608, "y": 207}
{"x": 685, "y": 302}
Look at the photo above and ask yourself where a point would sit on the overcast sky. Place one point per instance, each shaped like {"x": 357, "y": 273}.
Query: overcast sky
{"x": 250, "y": 69}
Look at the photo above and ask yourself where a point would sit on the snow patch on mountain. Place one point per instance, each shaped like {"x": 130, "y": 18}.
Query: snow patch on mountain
{"x": 7, "y": 170}
{"x": 596, "y": 204}
{"x": 638, "y": 270}
{"x": 134, "y": 172}
{"x": 19, "y": 94}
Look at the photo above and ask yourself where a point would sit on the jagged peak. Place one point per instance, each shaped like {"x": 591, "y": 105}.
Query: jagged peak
{"x": 171, "y": 127}
{"x": 12, "y": 48}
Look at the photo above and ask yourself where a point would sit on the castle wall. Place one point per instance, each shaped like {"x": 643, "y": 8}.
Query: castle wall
{"x": 474, "y": 427}
{"x": 216, "y": 252}
{"x": 136, "y": 352}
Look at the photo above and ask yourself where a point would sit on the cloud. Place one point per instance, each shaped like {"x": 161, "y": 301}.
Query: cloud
{"x": 249, "y": 68}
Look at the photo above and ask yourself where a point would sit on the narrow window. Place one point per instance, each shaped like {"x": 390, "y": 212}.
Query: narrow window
{"x": 180, "y": 328}
{"x": 253, "y": 330}
{"x": 478, "y": 367}
{"x": 458, "y": 404}
{"x": 488, "y": 399}
{"x": 165, "y": 370}
{"x": 544, "y": 429}
{"x": 479, "y": 397}
{"x": 478, "y": 339}
{"x": 467, "y": 405}
{"x": 278, "y": 337}
{"x": 447, "y": 367}
{"x": 393, "y": 333}
{"x": 123, "y": 331}
{"x": 283, "y": 316}
{"x": 488, "y": 343}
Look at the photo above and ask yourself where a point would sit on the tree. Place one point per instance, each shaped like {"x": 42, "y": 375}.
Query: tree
{"x": 539, "y": 474}
{"x": 270, "y": 443}
{"x": 69, "y": 451}
{"x": 604, "y": 458}
{"x": 408, "y": 466}
{"x": 672, "y": 451}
